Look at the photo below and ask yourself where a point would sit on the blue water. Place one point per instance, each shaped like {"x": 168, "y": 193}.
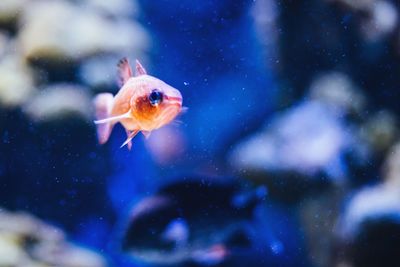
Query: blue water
{"x": 236, "y": 87}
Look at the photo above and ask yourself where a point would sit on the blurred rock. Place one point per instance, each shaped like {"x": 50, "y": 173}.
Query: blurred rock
{"x": 27, "y": 226}
{"x": 377, "y": 18}
{"x": 83, "y": 33}
{"x": 57, "y": 102}
{"x": 16, "y": 81}
{"x": 391, "y": 168}
{"x": 338, "y": 91}
{"x": 265, "y": 13}
{"x": 26, "y": 241}
{"x": 115, "y": 8}
{"x": 355, "y": 4}
{"x": 369, "y": 230}
{"x": 10, "y": 10}
{"x": 318, "y": 215}
{"x": 194, "y": 220}
{"x": 4, "y": 41}
{"x": 368, "y": 203}
{"x": 383, "y": 20}
{"x": 63, "y": 254}
{"x": 10, "y": 253}
{"x": 332, "y": 137}
{"x": 380, "y": 131}
{"x": 99, "y": 73}
{"x": 302, "y": 145}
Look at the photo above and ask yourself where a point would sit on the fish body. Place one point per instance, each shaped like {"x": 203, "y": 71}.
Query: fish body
{"x": 143, "y": 104}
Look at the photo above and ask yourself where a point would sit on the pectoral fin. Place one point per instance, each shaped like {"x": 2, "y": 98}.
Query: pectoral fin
{"x": 128, "y": 140}
{"x": 115, "y": 118}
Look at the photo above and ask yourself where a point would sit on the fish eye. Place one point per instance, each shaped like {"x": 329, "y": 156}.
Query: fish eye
{"x": 155, "y": 97}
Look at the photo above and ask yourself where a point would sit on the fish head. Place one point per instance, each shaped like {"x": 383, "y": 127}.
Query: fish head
{"x": 155, "y": 103}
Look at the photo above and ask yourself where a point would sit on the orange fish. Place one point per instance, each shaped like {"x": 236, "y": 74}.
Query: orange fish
{"x": 143, "y": 104}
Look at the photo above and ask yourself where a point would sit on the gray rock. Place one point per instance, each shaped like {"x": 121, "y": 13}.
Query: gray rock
{"x": 392, "y": 167}
{"x": 59, "y": 101}
{"x": 27, "y": 241}
{"x": 87, "y": 33}
{"x": 335, "y": 89}
{"x": 368, "y": 232}
{"x": 308, "y": 138}
{"x": 16, "y": 81}
{"x": 115, "y": 8}
{"x": 10, "y": 10}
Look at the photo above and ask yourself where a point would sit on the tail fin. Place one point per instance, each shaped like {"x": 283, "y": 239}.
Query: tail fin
{"x": 103, "y": 104}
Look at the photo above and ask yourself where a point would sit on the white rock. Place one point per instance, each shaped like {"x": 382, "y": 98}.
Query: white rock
{"x": 385, "y": 16}
{"x": 10, "y": 9}
{"x": 392, "y": 167}
{"x": 16, "y": 81}
{"x": 26, "y": 241}
{"x": 115, "y": 7}
{"x": 10, "y": 252}
{"x": 369, "y": 203}
{"x": 4, "y": 43}
{"x": 383, "y": 20}
{"x": 23, "y": 224}
{"x": 61, "y": 30}
{"x": 355, "y": 4}
{"x": 337, "y": 90}
{"x": 67, "y": 255}
{"x": 380, "y": 131}
{"x": 57, "y": 101}
{"x": 100, "y": 72}
{"x": 307, "y": 139}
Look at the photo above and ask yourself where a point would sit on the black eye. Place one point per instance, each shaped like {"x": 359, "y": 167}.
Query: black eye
{"x": 155, "y": 97}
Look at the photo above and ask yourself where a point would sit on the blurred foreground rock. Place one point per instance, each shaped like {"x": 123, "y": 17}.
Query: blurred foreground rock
{"x": 27, "y": 241}
{"x": 368, "y": 232}
{"x": 211, "y": 221}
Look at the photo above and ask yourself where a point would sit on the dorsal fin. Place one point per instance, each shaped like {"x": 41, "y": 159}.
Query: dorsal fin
{"x": 140, "y": 70}
{"x": 124, "y": 71}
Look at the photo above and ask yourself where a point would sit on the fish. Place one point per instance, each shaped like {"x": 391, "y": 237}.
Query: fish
{"x": 196, "y": 221}
{"x": 143, "y": 103}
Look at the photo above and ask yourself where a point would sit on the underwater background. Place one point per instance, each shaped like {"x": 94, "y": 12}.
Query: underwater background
{"x": 288, "y": 154}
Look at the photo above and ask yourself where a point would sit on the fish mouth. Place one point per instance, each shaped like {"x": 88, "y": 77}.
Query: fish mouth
{"x": 174, "y": 101}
